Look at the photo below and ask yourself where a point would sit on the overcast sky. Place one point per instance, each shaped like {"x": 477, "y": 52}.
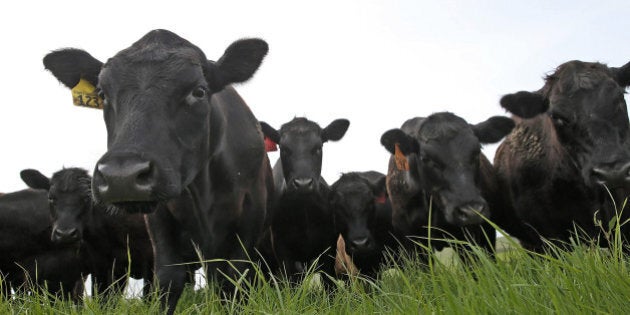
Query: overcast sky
{"x": 376, "y": 63}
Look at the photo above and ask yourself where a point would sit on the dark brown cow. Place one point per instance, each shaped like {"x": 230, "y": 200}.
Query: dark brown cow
{"x": 571, "y": 143}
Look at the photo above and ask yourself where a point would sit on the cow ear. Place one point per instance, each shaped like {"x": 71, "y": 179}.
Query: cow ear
{"x": 35, "y": 179}
{"x": 493, "y": 129}
{"x": 622, "y": 74}
{"x": 525, "y": 104}
{"x": 69, "y": 65}
{"x": 270, "y": 132}
{"x": 379, "y": 189}
{"x": 406, "y": 143}
{"x": 335, "y": 130}
{"x": 238, "y": 63}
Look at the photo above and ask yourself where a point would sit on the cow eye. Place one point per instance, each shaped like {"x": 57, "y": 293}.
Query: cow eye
{"x": 317, "y": 150}
{"x": 52, "y": 200}
{"x": 199, "y": 92}
{"x": 558, "y": 120}
{"x": 430, "y": 162}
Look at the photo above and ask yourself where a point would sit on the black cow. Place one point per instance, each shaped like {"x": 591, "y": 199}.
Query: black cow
{"x": 439, "y": 166}
{"x": 27, "y": 254}
{"x": 363, "y": 217}
{"x": 113, "y": 244}
{"x": 571, "y": 145}
{"x": 302, "y": 224}
{"x": 182, "y": 146}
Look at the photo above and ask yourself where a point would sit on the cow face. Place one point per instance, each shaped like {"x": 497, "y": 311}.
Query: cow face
{"x": 69, "y": 200}
{"x": 447, "y": 160}
{"x": 157, "y": 111}
{"x": 301, "y": 142}
{"x": 586, "y": 112}
{"x": 354, "y": 201}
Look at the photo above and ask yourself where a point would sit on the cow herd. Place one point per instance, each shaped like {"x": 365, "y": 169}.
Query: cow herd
{"x": 186, "y": 178}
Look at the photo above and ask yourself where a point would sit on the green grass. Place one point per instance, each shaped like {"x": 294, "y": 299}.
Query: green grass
{"x": 585, "y": 280}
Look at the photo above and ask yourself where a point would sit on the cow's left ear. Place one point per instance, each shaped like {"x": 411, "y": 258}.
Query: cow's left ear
{"x": 335, "y": 130}
{"x": 239, "y": 63}
{"x": 622, "y": 74}
{"x": 493, "y": 129}
{"x": 35, "y": 179}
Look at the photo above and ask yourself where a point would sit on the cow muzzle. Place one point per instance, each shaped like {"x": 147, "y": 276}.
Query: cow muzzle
{"x": 65, "y": 236}
{"x": 124, "y": 180}
{"x": 470, "y": 213}
{"x": 612, "y": 177}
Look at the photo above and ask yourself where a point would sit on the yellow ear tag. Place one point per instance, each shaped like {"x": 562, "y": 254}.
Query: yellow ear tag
{"x": 84, "y": 94}
{"x": 401, "y": 160}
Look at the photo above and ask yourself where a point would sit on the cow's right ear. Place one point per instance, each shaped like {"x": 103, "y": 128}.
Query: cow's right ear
{"x": 406, "y": 143}
{"x": 69, "y": 65}
{"x": 525, "y": 104}
{"x": 622, "y": 74}
{"x": 35, "y": 179}
{"x": 270, "y": 132}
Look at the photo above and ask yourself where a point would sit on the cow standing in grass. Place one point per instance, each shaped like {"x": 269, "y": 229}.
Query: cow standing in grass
{"x": 566, "y": 164}
{"x": 29, "y": 259}
{"x": 363, "y": 218}
{"x": 183, "y": 147}
{"x": 113, "y": 245}
{"x": 302, "y": 227}
{"x": 437, "y": 171}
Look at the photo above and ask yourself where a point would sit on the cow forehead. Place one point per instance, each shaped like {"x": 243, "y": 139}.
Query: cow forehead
{"x": 574, "y": 76}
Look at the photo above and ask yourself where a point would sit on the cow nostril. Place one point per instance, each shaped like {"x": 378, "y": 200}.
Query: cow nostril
{"x": 144, "y": 174}
{"x": 599, "y": 175}
{"x": 303, "y": 182}
{"x": 360, "y": 242}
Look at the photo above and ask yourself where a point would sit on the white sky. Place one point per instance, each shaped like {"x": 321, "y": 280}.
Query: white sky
{"x": 376, "y": 63}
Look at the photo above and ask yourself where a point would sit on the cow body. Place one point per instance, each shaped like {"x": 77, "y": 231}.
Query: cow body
{"x": 448, "y": 184}
{"x": 112, "y": 244}
{"x": 302, "y": 227}
{"x": 363, "y": 217}
{"x": 182, "y": 146}
{"x": 28, "y": 256}
{"x": 570, "y": 142}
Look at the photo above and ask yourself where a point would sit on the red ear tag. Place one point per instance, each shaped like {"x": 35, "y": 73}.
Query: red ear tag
{"x": 401, "y": 160}
{"x": 380, "y": 198}
{"x": 270, "y": 146}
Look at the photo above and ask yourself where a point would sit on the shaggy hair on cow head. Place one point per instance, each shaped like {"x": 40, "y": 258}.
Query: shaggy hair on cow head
{"x": 573, "y": 76}
{"x": 441, "y": 125}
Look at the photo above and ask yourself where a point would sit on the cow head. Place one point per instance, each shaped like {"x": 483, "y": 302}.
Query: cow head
{"x": 157, "y": 111}
{"x": 69, "y": 199}
{"x": 354, "y": 200}
{"x": 301, "y": 142}
{"x": 585, "y": 108}
{"x": 447, "y": 161}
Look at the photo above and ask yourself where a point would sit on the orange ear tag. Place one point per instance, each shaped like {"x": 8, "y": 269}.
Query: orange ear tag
{"x": 84, "y": 95}
{"x": 401, "y": 160}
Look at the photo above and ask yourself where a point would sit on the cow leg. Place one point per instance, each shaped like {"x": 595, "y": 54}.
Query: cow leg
{"x": 171, "y": 278}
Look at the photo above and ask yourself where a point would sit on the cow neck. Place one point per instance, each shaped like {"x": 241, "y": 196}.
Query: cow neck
{"x": 96, "y": 223}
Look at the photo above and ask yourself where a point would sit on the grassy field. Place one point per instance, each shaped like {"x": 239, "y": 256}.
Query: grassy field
{"x": 586, "y": 280}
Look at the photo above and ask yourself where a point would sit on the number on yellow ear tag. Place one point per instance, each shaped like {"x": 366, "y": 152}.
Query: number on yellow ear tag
{"x": 401, "y": 160}
{"x": 84, "y": 94}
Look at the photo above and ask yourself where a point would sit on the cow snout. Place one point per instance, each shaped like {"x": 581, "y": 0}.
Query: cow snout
{"x": 471, "y": 213}
{"x": 124, "y": 180}
{"x": 65, "y": 235}
{"x": 612, "y": 177}
{"x": 303, "y": 183}
{"x": 360, "y": 243}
